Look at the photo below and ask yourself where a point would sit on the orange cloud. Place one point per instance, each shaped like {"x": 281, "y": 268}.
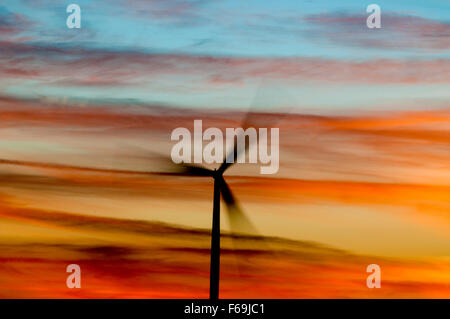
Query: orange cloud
{"x": 59, "y": 192}
{"x": 138, "y": 259}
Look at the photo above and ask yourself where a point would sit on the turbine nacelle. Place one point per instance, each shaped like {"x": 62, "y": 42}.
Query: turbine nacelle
{"x": 216, "y": 174}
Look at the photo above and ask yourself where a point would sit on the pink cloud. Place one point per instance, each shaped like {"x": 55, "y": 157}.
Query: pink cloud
{"x": 80, "y": 67}
{"x": 397, "y": 31}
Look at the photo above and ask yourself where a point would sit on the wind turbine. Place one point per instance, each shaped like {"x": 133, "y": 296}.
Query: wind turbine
{"x": 220, "y": 188}
{"x": 236, "y": 215}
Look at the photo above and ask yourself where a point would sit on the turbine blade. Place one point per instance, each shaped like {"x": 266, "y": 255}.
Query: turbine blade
{"x": 255, "y": 119}
{"x": 233, "y": 155}
{"x": 69, "y": 167}
{"x": 195, "y": 170}
{"x": 184, "y": 171}
{"x": 239, "y": 222}
{"x": 245, "y": 239}
{"x": 263, "y": 117}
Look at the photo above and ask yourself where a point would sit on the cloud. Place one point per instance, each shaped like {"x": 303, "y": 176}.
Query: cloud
{"x": 164, "y": 261}
{"x": 12, "y": 24}
{"x": 397, "y": 31}
{"x": 386, "y": 147}
{"x": 175, "y": 12}
{"x": 365, "y": 160}
{"x": 59, "y": 65}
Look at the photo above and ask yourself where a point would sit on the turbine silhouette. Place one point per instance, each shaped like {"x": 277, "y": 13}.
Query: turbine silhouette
{"x": 236, "y": 215}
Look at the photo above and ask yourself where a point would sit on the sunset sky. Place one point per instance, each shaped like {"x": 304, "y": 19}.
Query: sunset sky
{"x": 364, "y": 119}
